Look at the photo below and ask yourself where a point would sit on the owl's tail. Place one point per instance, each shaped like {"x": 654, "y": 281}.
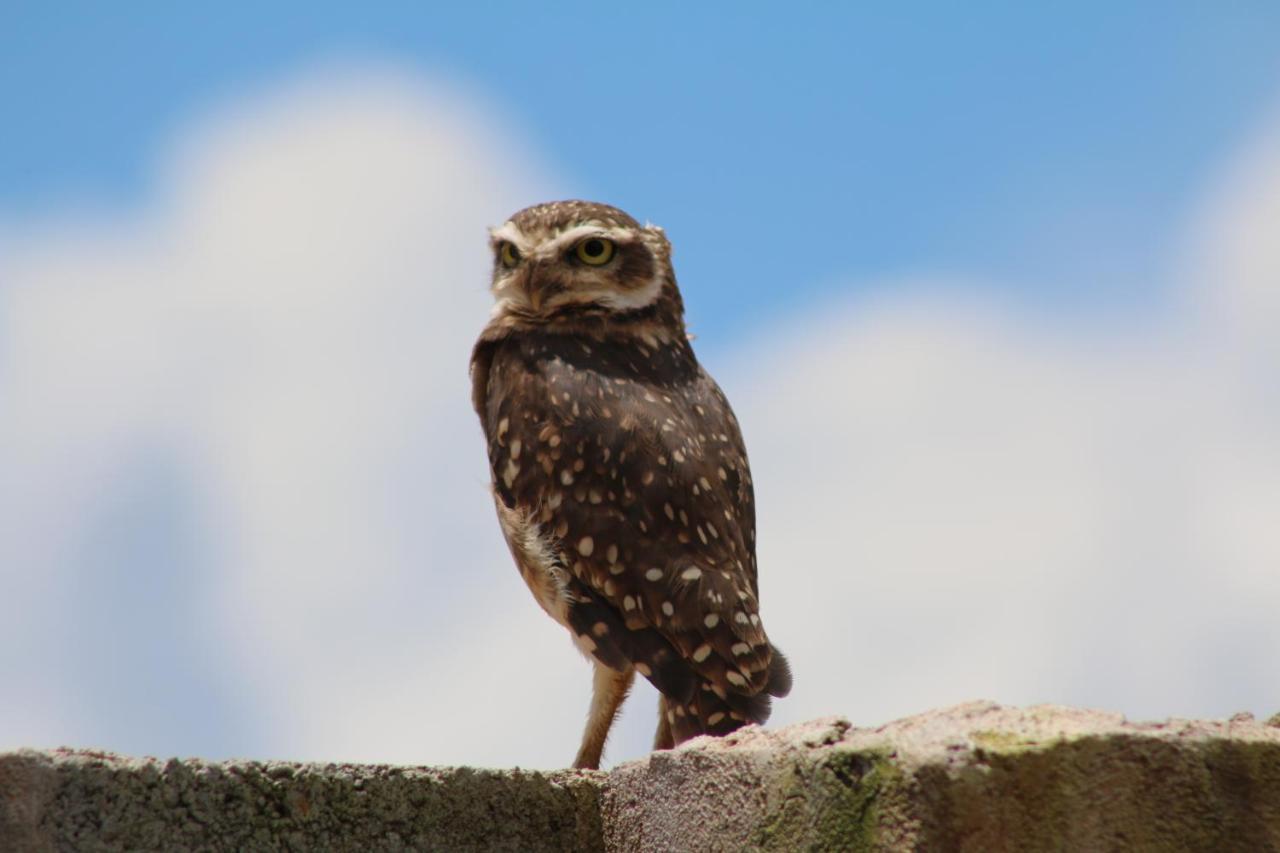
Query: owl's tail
{"x": 714, "y": 710}
{"x": 779, "y": 683}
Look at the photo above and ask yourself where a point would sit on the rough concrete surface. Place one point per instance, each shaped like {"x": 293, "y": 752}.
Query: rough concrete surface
{"x": 977, "y": 777}
{"x": 93, "y": 801}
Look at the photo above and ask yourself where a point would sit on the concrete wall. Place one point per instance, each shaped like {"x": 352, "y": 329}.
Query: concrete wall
{"x": 976, "y": 777}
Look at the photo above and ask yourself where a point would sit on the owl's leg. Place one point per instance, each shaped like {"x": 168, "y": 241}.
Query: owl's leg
{"x": 663, "y": 739}
{"x": 609, "y": 688}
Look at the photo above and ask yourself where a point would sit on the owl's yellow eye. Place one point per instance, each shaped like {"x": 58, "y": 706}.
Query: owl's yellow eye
{"x": 594, "y": 251}
{"x": 509, "y": 254}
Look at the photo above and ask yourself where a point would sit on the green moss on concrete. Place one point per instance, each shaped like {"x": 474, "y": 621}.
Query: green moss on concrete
{"x": 1005, "y": 743}
{"x": 836, "y": 803}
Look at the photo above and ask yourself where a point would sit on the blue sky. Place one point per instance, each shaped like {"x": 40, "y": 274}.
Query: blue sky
{"x": 992, "y": 289}
{"x": 1057, "y": 148}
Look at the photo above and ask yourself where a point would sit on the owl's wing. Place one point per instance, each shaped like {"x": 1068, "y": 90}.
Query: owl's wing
{"x": 693, "y": 574}
{"x": 645, "y": 492}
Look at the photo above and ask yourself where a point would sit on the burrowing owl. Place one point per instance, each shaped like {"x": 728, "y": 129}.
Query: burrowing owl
{"x": 619, "y": 472}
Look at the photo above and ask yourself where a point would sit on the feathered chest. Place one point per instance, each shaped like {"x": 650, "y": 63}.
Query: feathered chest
{"x": 632, "y": 435}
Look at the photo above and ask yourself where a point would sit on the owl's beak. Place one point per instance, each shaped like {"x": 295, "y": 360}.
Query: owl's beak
{"x": 535, "y": 297}
{"x": 539, "y": 285}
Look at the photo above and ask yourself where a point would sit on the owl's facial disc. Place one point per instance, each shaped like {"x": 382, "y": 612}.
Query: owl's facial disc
{"x": 588, "y": 267}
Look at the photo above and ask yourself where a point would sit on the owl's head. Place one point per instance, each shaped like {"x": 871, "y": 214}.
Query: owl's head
{"x": 573, "y": 260}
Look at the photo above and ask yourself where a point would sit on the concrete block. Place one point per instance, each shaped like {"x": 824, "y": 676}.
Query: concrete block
{"x": 976, "y": 777}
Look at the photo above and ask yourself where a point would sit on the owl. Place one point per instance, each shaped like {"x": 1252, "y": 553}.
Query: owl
{"x": 619, "y": 472}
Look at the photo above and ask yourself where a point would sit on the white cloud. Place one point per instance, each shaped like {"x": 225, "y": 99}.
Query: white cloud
{"x": 286, "y": 329}
{"x": 960, "y": 499}
{"x": 244, "y": 503}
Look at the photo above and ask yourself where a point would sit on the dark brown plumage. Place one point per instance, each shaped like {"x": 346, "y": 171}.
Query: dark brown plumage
{"x": 619, "y": 472}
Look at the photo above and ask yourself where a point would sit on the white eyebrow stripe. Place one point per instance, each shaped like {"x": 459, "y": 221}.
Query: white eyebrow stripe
{"x": 565, "y": 239}
{"x": 509, "y": 233}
